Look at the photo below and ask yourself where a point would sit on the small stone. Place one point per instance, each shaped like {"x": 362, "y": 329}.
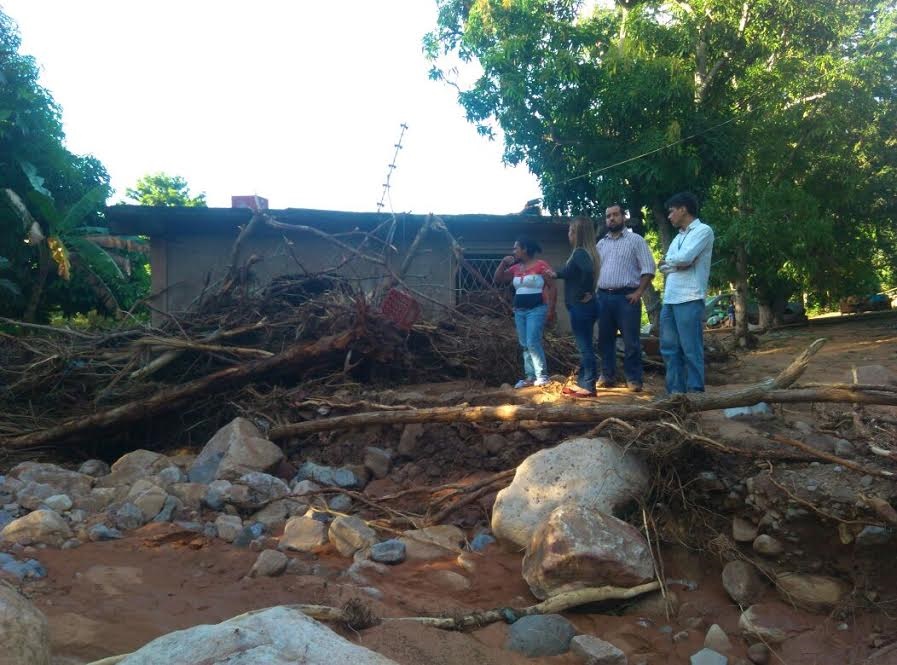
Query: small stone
{"x": 166, "y": 514}
{"x": 390, "y": 551}
{"x": 411, "y": 435}
{"x": 340, "y": 503}
{"x": 743, "y": 531}
{"x": 100, "y": 532}
{"x": 148, "y": 497}
{"x": 434, "y": 542}
{"x": 495, "y": 443}
{"x": 171, "y": 475}
{"x": 540, "y": 635}
{"x": 303, "y": 487}
{"x": 595, "y": 651}
{"x": 24, "y": 570}
{"x": 480, "y": 542}
{"x": 708, "y": 657}
{"x": 325, "y": 475}
{"x": 228, "y": 527}
{"x": 758, "y": 653}
{"x": 449, "y": 579}
{"x": 270, "y": 563}
{"x": 249, "y": 534}
{"x": 717, "y": 639}
{"x": 681, "y": 636}
{"x": 58, "y": 502}
{"x": 128, "y": 517}
{"x": 350, "y": 534}
{"x": 303, "y": 534}
{"x": 767, "y": 545}
{"x": 872, "y": 536}
{"x": 742, "y": 582}
{"x": 816, "y": 593}
{"x": 866, "y": 481}
{"x": 94, "y": 467}
{"x": 71, "y": 544}
{"x": 377, "y": 461}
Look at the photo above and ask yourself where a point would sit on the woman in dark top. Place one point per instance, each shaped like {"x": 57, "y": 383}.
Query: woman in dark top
{"x": 580, "y": 275}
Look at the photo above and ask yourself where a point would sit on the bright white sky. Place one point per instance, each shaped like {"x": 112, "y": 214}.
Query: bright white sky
{"x": 299, "y": 101}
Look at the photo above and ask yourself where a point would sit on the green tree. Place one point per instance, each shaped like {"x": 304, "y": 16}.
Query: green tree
{"x": 756, "y": 105}
{"x": 47, "y": 184}
{"x": 161, "y": 189}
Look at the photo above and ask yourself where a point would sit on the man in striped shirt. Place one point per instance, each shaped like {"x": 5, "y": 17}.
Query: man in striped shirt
{"x": 627, "y": 268}
{"x": 687, "y": 270}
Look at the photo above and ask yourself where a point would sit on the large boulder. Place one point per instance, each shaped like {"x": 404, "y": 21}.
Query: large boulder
{"x": 593, "y": 473}
{"x": 62, "y": 480}
{"x": 275, "y": 636}
{"x": 134, "y": 466}
{"x": 577, "y": 548}
{"x": 24, "y": 634}
{"x": 42, "y": 527}
{"x": 236, "y": 449}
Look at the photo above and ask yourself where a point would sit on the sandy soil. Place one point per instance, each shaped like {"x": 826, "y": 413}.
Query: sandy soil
{"x": 107, "y": 598}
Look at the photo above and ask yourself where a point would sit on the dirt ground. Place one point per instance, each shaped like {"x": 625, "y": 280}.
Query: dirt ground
{"x": 112, "y": 597}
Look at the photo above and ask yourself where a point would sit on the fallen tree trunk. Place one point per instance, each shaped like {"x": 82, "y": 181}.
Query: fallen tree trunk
{"x": 170, "y": 399}
{"x": 774, "y": 390}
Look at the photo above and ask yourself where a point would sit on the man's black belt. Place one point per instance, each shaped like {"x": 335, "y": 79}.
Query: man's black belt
{"x": 624, "y": 290}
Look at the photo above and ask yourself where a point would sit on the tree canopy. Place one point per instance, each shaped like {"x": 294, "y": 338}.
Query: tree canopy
{"x": 779, "y": 114}
{"x": 162, "y": 189}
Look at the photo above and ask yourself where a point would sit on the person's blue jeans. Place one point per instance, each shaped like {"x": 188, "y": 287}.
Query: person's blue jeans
{"x": 582, "y": 323}
{"x": 615, "y": 313}
{"x": 682, "y": 346}
{"x": 530, "y": 325}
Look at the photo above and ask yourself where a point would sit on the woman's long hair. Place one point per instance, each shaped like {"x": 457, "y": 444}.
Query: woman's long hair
{"x": 584, "y": 237}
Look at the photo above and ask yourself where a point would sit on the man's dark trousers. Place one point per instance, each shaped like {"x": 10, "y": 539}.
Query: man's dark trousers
{"x": 615, "y": 313}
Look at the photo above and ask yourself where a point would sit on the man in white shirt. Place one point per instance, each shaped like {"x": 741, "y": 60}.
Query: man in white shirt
{"x": 687, "y": 270}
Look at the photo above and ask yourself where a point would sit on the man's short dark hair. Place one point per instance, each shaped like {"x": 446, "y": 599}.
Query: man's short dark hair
{"x": 685, "y": 200}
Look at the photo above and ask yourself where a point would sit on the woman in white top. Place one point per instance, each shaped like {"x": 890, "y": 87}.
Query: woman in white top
{"x": 535, "y": 297}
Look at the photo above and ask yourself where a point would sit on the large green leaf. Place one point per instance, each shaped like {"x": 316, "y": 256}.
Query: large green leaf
{"x": 36, "y": 180}
{"x": 87, "y": 204}
{"x": 96, "y": 257}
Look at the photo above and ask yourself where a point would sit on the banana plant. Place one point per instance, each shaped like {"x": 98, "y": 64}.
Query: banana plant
{"x": 65, "y": 240}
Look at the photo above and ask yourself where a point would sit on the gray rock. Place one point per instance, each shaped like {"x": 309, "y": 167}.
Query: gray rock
{"x": 390, "y": 551}
{"x": 148, "y": 497}
{"x": 577, "y": 548}
{"x": 41, "y": 527}
{"x": 595, "y": 651}
{"x": 411, "y": 436}
{"x": 94, "y": 468}
{"x": 274, "y": 636}
{"x": 97, "y": 500}
{"x": 100, "y": 532}
{"x": 494, "y": 443}
{"x": 191, "y": 495}
{"x": 24, "y": 632}
{"x": 816, "y": 593}
{"x": 758, "y": 653}
{"x": 350, "y": 534}
{"x": 358, "y": 568}
{"x": 217, "y": 493}
{"x": 743, "y": 531}
{"x": 844, "y": 448}
{"x": 378, "y": 461}
{"x": 23, "y": 570}
{"x": 758, "y": 411}
{"x": 263, "y": 489}
{"x": 742, "y": 582}
{"x": 169, "y": 508}
{"x": 228, "y": 527}
{"x": 249, "y": 534}
{"x": 450, "y": 580}
{"x": 128, "y": 517}
{"x": 708, "y": 657}
{"x": 340, "y": 503}
{"x": 540, "y": 635}
{"x": 593, "y": 473}
{"x": 433, "y": 542}
{"x": 480, "y": 542}
{"x": 329, "y": 476}
{"x": 58, "y": 502}
{"x": 136, "y": 465}
{"x": 270, "y": 563}
{"x": 772, "y": 622}
{"x": 303, "y": 487}
{"x": 303, "y": 534}
{"x": 62, "y": 480}
{"x": 5, "y": 518}
{"x": 872, "y": 536}
{"x": 767, "y": 545}
{"x": 277, "y": 512}
{"x": 717, "y": 640}
{"x": 171, "y": 475}
{"x": 236, "y": 449}
{"x": 32, "y": 495}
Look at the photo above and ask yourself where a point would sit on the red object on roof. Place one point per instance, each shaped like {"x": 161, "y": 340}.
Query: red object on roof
{"x": 252, "y": 202}
{"x": 401, "y": 309}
